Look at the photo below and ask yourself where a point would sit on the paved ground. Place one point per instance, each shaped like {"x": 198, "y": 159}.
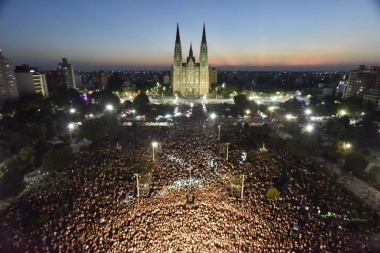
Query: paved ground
{"x": 360, "y": 188}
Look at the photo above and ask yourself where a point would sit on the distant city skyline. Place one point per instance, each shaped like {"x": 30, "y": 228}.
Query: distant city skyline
{"x": 273, "y": 35}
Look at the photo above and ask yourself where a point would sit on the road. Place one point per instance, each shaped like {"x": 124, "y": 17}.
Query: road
{"x": 360, "y": 188}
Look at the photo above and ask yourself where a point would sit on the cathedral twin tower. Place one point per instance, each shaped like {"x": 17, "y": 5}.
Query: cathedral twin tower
{"x": 190, "y": 78}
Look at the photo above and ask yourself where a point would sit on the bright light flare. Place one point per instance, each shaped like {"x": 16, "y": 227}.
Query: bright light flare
{"x": 309, "y": 128}
{"x": 109, "y": 107}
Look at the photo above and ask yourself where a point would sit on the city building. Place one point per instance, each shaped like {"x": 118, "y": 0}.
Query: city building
{"x": 341, "y": 89}
{"x": 67, "y": 72}
{"x": 78, "y": 80}
{"x": 102, "y": 80}
{"x": 8, "y": 83}
{"x": 372, "y": 96}
{"x": 30, "y": 81}
{"x": 190, "y": 78}
{"x": 129, "y": 90}
{"x": 55, "y": 81}
{"x": 213, "y": 75}
{"x": 166, "y": 80}
{"x": 361, "y": 80}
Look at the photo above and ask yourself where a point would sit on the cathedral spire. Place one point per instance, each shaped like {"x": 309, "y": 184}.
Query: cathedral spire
{"x": 177, "y": 39}
{"x": 191, "y": 51}
{"x": 204, "y": 34}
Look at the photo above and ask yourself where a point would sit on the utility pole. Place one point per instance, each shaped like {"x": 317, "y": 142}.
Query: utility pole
{"x": 137, "y": 184}
{"x": 242, "y": 186}
{"x": 227, "y": 151}
{"x": 190, "y": 178}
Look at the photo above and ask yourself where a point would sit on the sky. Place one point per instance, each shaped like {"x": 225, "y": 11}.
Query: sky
{"x": 241, "y": 35}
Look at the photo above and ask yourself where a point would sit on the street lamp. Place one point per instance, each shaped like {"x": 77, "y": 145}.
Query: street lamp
{"x": 247, "y": 112}
{"x": 289, "y": 116}
{"x": 71, "y": 127}
{"x": 133, "y": 114}
{"x": 309, "y": 128}
{"x": 308, "y": 111}
{"x": 213, "y": 116}
{"x": 109, "y": 107}
{"x": 72, "y": 110}
{"x": 154, "y": 145}
{"x": 271, "y": 109}
{"x": 137, "y": 184}
{"x": 219, "y": 133}
{"x": 347, "y": 145}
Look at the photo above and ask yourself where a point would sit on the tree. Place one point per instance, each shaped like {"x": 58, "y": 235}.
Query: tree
{"x": 66, "y": 98}
{"x": 273, "y": 193}
{"x": 141, "y": 100}
{"x": 26, "y": 155}
{"x": 338, "y": 130}
{"x": 292, "y": 105}
{"x": 93, "y": 130}
{"x": 291, "y": 127}
{"x": 96, "y": 129}
{"x": 336, "y": 151}
{"x": 57, "y": 160}
{"x": 105, "y": 97}
{"x": 241, "y": 102}
{"x": 355, "y": 162}
{"x": 126, "y": 104}
{"x": 11, "y": 183}
{"x": 375, "y": 173}
{"x": 115, "y": 80}
{"x": 36, "y": 132}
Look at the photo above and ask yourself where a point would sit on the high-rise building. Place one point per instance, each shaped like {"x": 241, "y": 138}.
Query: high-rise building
{"x": 30, "y": 81}
{"x": 361, "y": 80}
{"x": 102, "y": 80}
{"x": 67, "y": 72}
{"x": 8, "y": 83}
{"x": 213, "y": 75}
{"x": 190, "y": 78}
{"x": 166, "y": 80}
{"x": 55, "y": 81}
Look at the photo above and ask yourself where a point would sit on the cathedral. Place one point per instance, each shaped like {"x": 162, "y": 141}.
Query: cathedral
{"x": 191, "y": 78}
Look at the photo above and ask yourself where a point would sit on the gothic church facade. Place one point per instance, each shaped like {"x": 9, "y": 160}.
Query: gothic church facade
{"x": 191, "y": 78}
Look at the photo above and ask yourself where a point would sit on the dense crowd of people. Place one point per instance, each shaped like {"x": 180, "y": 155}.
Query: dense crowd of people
{"x": 93, "y": 208}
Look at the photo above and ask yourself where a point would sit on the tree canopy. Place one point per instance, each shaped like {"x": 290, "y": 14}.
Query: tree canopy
{"x": 141, "y": 100}
{"x": 273, "y": 193}
{"x": 56, "y": 160}
{"x": 241, "y": 102}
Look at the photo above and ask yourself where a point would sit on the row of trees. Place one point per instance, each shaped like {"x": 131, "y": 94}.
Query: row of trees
{"x": 337, "y": 132}
{"x": 27, "y": 126}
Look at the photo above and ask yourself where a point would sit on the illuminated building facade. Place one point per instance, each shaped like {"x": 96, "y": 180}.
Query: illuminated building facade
{"x": 191, "y": 78}
{"x": 361, "y": 80}
{"x": 66, "y": 71}
{"x": 30, "y": 81}
{"x": 8, "y": 83}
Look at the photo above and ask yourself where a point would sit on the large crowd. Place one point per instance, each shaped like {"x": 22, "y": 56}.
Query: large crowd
{"x": 93, "y": 207}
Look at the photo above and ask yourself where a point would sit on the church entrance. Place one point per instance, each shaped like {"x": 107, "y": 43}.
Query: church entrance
{"x": 191, "y": 92}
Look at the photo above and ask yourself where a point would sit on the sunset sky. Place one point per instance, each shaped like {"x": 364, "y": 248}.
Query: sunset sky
{"x": 241, "y": 35}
